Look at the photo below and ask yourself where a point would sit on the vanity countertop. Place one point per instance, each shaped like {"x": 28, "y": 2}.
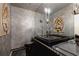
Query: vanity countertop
{"x": 68, "y": 48}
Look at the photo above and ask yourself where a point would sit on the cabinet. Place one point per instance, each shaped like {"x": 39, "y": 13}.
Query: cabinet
{"x": 38, "y": 49}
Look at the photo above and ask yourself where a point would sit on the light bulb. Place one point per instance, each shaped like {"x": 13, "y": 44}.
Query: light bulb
{"x": 47, "y": 10}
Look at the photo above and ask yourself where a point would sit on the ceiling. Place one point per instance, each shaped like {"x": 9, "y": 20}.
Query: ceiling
{"x": 39, "y": 7}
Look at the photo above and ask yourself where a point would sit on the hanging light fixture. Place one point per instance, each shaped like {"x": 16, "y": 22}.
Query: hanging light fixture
{"x": 47, "y": 12}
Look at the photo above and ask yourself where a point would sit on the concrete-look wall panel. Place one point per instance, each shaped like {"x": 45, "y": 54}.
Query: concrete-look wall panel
{"x": 68, "y": 17}
{"x": 5, "y": 45}
{"x": 24, "y": 25}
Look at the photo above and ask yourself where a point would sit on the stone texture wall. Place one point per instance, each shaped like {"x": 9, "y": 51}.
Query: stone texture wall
{"x": 24, "y": 25}
{"x": 68, "y": 17}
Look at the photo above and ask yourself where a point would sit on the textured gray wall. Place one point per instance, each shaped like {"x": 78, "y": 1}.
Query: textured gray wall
{"x": 68, "y": 17}
{"x": 24, "y": 25}
{"x": 5, "y": 43}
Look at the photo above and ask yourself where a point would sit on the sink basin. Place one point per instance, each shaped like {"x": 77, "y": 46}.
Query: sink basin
{"x": 52, "y": 40}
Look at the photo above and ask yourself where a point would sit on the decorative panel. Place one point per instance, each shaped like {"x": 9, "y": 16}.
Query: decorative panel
{"x": 4, "y": 19}
{"x": 58, "y": 24}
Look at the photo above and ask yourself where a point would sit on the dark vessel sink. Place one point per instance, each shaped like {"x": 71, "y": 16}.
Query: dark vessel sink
{"x": 52, "y": 40}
